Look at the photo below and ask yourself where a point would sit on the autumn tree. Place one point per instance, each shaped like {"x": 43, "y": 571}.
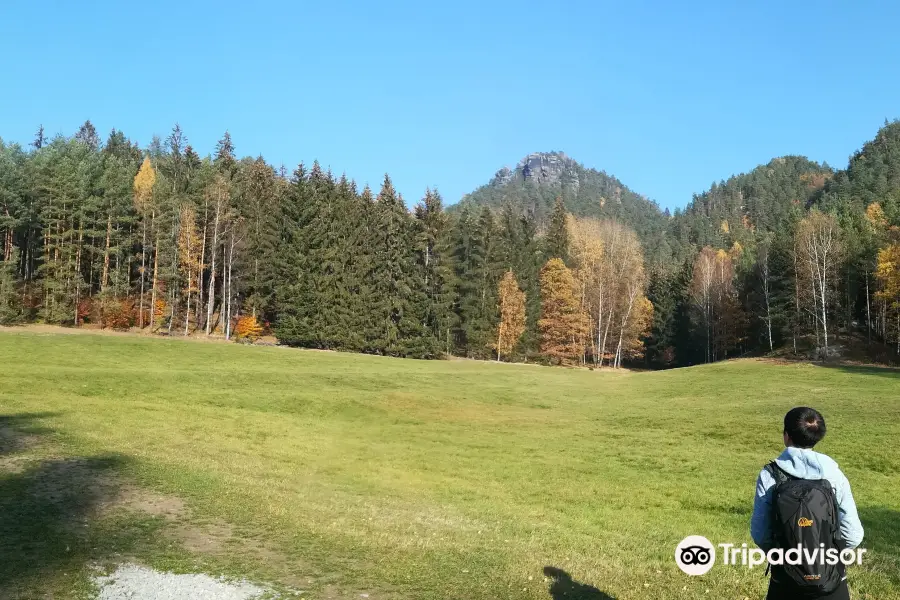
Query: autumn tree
{"x": 716, "y": 310}
{"x": 143, "y": 191}
{"x": 887, "y": 274}
{"x": 512, "y": 314}
{"x": 818, "y": 247}
{"x": 609, "y": 268}
{"x": 562, "y": 323}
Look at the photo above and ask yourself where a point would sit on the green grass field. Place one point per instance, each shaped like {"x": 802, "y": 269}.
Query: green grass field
{"x": 342, "y": 475}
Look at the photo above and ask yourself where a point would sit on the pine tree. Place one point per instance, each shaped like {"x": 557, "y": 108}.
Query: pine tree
{"x": 556, "y": 243}
{"x": 10, "y": 304}
{"x": 87, "y": 135}
{"x": 435, "y": 271}
{"x": 399, "y": 327}
{"x": 520, "y": 252}
{"x": 664, "y": 294}
{"x": 477, "y": 266}
{"x": 39, "y": 139}
{"x": 297, "y": 267}
{"x": 260, "y": 191}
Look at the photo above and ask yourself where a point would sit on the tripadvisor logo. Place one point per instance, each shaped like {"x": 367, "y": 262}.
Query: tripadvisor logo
{"x": 696, "y": 555}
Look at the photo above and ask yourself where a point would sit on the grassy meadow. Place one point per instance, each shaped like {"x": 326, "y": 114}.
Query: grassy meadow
{"x": 343, "y": 475}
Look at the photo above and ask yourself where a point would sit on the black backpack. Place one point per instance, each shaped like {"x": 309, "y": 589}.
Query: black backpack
{"x": 805, "y": 512}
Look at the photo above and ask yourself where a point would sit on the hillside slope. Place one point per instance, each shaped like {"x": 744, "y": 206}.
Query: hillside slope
{"x": 539, "y": 178}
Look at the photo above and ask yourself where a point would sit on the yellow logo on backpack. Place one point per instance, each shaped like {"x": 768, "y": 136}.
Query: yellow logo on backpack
{"x": 804, "y": 522}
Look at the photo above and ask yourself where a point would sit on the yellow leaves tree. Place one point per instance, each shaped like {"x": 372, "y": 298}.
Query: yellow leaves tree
{"x": 562, "y": 324}
{"x": 143, "y": 192}
{"x": 636, "y": 328}
{"x": 610, "y": 279}
{"x": 189, "y": 257}
{"x": 586, "y": 254}
{"x": 875, "y": 216}
{"x": 512, "y": 314}
{"x": 143, "y": 186}
{"x": 817, "y": 244}
{"x": 887, "y": 272}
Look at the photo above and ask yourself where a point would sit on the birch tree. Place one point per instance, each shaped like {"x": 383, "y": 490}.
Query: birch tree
{"x": 143, "y": 190}
{"x": 819, "y": 254}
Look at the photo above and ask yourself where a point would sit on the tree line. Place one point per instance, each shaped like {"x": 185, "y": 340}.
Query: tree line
{"x": 792, "y": 255}
{"x": 165, "y": 241}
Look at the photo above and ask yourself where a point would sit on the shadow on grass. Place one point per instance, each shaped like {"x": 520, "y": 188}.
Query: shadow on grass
{"x": 563, "y": 587}
{"x": 885, "y": 371}
{"x": 882, "y": 530}
{"x": 54, "y": 517}
{"x": 17, "y": 430}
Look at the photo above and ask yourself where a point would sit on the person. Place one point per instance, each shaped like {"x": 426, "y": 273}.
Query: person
{"x": 803, "y": 428}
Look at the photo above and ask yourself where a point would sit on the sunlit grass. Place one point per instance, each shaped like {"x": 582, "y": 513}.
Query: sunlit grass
{"x": 458, "y": 479}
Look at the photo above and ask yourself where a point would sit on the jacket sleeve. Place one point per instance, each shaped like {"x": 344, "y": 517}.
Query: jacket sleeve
{"x": 761, "y": 521}
{"x": 851, "y": 527}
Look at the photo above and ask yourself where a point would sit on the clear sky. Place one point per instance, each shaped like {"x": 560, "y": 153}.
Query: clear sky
{"x": 667, "y": 96}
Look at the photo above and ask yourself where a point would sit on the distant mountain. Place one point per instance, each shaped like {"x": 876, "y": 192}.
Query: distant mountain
{"x": 538, "y": 179}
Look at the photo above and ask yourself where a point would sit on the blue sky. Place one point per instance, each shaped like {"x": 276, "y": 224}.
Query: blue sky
{"x": 667, "y": 96}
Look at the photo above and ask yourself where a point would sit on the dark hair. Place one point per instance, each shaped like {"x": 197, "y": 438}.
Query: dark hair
{"x": 805, "y": 426}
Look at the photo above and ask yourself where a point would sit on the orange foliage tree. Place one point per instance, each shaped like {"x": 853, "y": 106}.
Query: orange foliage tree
{"x": 512, "y": 314}
{"x": 562, "y": 324}
{"x": 248, "y": 329}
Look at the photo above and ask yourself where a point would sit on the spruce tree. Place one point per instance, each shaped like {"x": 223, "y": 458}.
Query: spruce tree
{"x": 556, "y": 242}
{"x": 435, "y": 272}
{"x": 10, "y": 299}
{"x": 398, "y": 302}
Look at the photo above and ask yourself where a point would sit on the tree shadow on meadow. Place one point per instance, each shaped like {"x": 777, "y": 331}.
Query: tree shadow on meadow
{"x": 17, "y": 431}
{"x": 882, "y": 531}
{"x": 882, "y": 541}
{"x": 54, "y": 520}
{"x": 884, "y": 371}
{"x": 563, "y": 587}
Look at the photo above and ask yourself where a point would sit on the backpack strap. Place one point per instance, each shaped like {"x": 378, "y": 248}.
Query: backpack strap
{"x": 779, "y": 474}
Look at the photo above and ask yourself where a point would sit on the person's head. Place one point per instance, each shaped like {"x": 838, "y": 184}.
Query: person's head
{"x": 804, "y": 427}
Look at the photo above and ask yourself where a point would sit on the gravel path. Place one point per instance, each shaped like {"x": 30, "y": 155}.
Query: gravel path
{"x": 131, "y": 582}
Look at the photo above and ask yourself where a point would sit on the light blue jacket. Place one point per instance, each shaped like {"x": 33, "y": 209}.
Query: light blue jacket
{"x": 804, "y": 464}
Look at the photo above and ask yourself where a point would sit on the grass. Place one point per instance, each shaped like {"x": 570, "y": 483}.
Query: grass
{"x": 345, "y": 474}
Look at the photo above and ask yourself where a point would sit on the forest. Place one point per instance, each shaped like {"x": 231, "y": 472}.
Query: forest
{"x": 792, "y": 256}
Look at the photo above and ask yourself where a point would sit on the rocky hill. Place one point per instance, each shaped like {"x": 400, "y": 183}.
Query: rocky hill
{"x": 535, "y": 182}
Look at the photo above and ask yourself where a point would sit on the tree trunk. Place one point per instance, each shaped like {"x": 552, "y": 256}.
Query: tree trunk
{"x": 230, "y": 275}
{"x": 187, "y": 310}
{"x": 155, "y": 283}
{"x": 105, "y": 278}
{"x": 143, "y": 269}
{"x": 212, "y": 270}
{"x": 77, "y": 273}
{"x": 868, "y": 313}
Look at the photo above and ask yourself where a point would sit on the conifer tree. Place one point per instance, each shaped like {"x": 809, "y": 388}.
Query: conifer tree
{"x": 398, "y": 297}
{"x": 10, "y": 301}
{"x": 556, "y": 243}
{"x": 435, "y": 271}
